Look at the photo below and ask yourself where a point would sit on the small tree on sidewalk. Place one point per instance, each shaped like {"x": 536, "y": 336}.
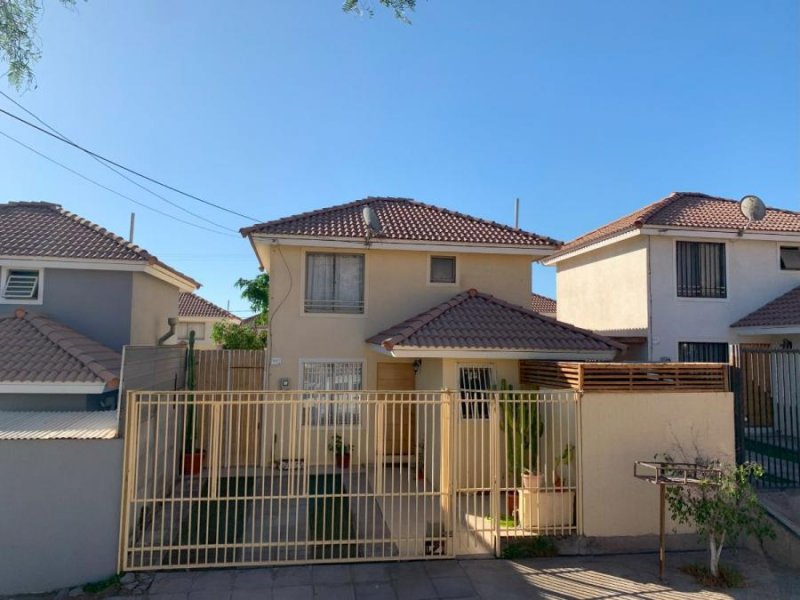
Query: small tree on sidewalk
{"x": 723, "y": 508}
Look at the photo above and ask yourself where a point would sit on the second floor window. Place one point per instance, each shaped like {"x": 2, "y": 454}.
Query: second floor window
{"x": 334, "y": 283}
{"x": 20, "y": 285}
{"x": 701, "y": 270}
{"x": 790, "y": 258}
{"x": 443, "y": 269}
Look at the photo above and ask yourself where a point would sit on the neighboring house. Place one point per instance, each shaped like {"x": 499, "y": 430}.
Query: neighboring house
{"x": 254, "y": 322}
{"x": 424, "y": 299}
{"x": 80, "y": 287}
{"x": 543, "y": 305}
{"x": 199, "y": 315}
{"x": 678, "y": 279}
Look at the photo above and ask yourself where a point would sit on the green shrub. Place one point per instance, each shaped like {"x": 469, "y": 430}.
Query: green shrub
{"x": 532, "y": 547}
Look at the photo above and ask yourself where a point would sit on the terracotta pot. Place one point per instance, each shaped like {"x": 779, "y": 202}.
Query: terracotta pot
{"x": 193, "y": 462}
{"x": 343, "y": 461}
{"x": 531, "y": 481}
{"x": 512, "y": 502}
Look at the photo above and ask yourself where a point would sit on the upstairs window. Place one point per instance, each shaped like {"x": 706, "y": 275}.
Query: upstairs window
{"x": 20, "y": 285}
{"x": 443, "y": 269}
{"x": 701, "y": 270}
{"x": 790, "y": 258}
{"x": 716, "y": 352}
{"x": 334, "y": 283}
{"x": 475, "y": 385}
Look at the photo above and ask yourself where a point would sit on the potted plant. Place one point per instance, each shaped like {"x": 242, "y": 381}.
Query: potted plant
{"x": 341, "y": 451}
{"x": 562, "y": 471}
{"x": 192, "y": 456}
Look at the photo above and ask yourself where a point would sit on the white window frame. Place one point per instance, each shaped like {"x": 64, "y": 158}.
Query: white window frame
{"x": 324, "y": 314}
{"x": 463, "y": 401}
{"x": 429, "y": 270}
{"x": 190, "y": 325}
{"x": 309, "y": 395}
{"x": 780, "y": 258}
{"x": 5, "y": 269}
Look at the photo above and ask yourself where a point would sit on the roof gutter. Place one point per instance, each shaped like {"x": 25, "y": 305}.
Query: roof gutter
{"x": 487, "y": 353}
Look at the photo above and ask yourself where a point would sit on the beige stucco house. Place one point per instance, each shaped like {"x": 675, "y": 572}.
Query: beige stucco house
{"x": 675, "y": 279}
{"x": 200, "y": 315}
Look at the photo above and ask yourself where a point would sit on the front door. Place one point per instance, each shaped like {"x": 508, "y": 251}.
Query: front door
{"x": 400, "y": 429}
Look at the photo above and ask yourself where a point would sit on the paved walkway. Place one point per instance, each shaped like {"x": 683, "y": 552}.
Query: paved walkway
{"x": 615, "y": 577}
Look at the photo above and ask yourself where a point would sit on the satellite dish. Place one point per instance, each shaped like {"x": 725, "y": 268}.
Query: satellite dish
{"x": 371, "y": 221}
{"x": 752, "y": 208}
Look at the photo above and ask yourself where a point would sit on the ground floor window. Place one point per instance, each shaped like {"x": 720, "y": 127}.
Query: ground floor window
{"x": 703, "y": 352}
{"x": 474, "y": 384}
{"x": 329, "y": 406}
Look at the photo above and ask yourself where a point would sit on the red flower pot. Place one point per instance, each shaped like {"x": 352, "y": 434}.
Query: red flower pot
{"x": 342, "y": 461}
{"x": 193, "y": 462}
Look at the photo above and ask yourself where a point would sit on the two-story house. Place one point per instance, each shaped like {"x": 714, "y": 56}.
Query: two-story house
{"x": 424, "y": 298}
{"x": 674, "y": 280}
{"x": 197, "y": 314}
{"x": 72, "y": 294}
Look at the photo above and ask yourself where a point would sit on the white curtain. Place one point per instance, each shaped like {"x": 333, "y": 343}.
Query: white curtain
{"x": 319, "y": 282}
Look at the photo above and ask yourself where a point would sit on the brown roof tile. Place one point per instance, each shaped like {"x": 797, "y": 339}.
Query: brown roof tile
{"x": 46, "y": 229}
{"x": 542, "y": 304}
{"x": 192, "y": 305}
{"x": 689, "y": 210}
{"x": 476, "y": 321}
{"x": 35, "y": 349}
{"x": 781, "y": 312}
{"x": 401, "y": 219}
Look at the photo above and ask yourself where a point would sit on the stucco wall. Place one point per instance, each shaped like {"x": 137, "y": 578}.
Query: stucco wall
{"x": 619, "y": 429}
{"x": 753, "y": 279}
{"x": 152, "y": 302}
{"x": 59, "y": 522}
{"x": 605, "y": 289}
{"x": 396, "y": 288}
{"x": 68, "y": 402}
{"x": 94, "y": 303}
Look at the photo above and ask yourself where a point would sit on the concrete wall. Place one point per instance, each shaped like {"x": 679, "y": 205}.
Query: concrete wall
{"x": 605, "y": 290}
{"x": 94, "y": 303}
{"x": 754, "y": 278}
{"x": 619, "y": 429}
{"x": 59, "y": 522}
{"x": 396, "y": 288}
{"x": 152, "y": 302}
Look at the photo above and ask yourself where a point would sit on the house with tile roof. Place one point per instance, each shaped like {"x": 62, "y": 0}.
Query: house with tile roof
{"x": 395, "y": 294}
{"x": 197, "y": 314}
{"x": 83, "y": 294}
{"x": 684, "y": 277}
{"x": 543, "y": 304}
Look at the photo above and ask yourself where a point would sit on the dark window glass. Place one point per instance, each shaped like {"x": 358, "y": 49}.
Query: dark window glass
{"x": 790, "y": 259}
{"x": 701, "y": 270}
{"x": 443, "y": 269}
{"x": 703, "y": 352}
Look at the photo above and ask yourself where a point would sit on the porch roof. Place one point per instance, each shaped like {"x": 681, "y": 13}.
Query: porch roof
{"x": 781, "y": 315}
{"x": 474, "y": 324}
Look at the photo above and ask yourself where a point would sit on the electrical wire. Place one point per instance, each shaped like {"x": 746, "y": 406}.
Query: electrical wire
{"x": 108, "y": 189}
{"x": 124, "y": 168}
{"x": 117, "y": 171}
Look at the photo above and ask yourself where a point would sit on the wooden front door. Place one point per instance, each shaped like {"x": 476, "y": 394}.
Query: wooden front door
{"x": 401, "y": 424}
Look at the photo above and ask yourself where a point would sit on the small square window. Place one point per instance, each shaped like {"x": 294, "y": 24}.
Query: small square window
{"x": 443, "y": 269}
{"x": 20, "y": 284}
{"x": 790, "y": 258}
{"x": 198, "y": 328}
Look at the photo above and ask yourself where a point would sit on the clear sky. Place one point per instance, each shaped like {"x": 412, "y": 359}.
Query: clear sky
{"x": 585, "y": 110}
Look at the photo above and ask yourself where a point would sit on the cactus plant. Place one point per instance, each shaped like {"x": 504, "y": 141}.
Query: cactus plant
{"x": 523, "y": 428}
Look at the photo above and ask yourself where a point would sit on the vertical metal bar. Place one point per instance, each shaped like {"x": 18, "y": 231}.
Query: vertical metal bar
{"x": 662, "y": 553}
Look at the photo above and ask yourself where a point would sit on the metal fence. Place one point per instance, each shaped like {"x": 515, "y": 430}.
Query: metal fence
{"x": 767, "y": 388}
{"x": 255, "y": 481}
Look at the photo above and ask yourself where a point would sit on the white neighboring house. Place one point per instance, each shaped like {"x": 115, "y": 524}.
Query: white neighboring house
{"x": 199, "y": 315}
{"x": 672, "y": 279}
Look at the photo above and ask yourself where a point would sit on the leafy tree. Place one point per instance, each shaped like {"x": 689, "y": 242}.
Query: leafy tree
{"x": 722, "y": 508}
{"x": 233, "y": 336}
{"x": 19, "y": 47}
{"x": 401, "y": 8}
{"x": 256, "y": 292}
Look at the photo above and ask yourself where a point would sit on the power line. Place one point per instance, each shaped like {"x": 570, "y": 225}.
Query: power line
{"x": 118, "y": 172}
{"x": 108, "y": 189}
{"x": 124, "y": 168}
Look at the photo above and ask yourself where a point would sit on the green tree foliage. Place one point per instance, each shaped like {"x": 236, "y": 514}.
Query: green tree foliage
{"x": 233, "y": 336}
{"x": 401, "y": 8}
{"x": 19, "y": 47}
{"x": 256, "y": 292}
{"x": 722, "y": 508}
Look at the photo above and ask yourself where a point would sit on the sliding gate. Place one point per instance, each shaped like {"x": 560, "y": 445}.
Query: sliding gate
{"x": 255, "y": 478}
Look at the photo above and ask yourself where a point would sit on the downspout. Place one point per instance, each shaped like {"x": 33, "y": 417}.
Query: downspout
{"x": 172, "y": 321}
{"x": 649, "y": 301}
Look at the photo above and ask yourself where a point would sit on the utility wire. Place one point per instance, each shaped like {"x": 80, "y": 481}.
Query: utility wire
{"x": 117, "y": 171}
{"x": 124, "y": 168}
{"x": 108, "y": 189}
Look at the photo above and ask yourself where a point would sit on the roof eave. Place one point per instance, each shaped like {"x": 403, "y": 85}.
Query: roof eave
{"x": 399, "y": 351}
{"x": 53, "y": 387}
{"x": 767, "y": 329}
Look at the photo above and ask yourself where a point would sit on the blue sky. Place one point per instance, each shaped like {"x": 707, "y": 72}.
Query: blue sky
{"x": 585, "y": 110}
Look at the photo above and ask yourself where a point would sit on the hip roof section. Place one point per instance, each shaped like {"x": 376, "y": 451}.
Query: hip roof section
{"x": 783, "y": 311}
{"x": 192, "y": 305}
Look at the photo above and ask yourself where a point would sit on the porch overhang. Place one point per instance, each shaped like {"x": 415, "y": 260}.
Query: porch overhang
{"x": 764, "y": 330}
{"x": 493, "y": 353}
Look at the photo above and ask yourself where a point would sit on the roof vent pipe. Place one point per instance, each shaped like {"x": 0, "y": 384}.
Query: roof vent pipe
{"x": 172, "y": 321}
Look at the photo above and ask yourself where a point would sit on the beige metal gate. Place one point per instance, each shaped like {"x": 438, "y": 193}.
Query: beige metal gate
{"x": 321, "y": 485}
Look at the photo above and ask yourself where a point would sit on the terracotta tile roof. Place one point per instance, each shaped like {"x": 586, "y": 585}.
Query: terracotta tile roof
{"x": 476, "y": 321}
{"x": 35, "y": 349}
{"x": 689, "y": 210}
{"x": 192, "y": 305}
{"x": 46, "y": 229}
{"x": 542, "y": 304}
{"x": 781, "y": 312}
{"x": 401, "y": 219}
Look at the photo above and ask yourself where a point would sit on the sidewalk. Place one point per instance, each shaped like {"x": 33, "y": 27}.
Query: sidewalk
{"x": 607, "y": 577}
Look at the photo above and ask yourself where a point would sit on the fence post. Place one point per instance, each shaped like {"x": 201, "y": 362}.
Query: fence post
{"x": 494, "y": 468}
{"x": 447, "y": 462}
